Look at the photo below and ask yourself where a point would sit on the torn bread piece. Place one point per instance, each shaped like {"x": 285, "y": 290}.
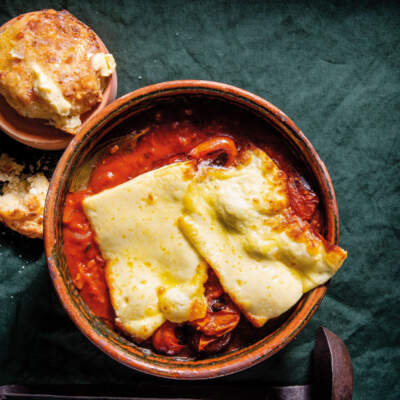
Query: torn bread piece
{"x": 22, "y": 198}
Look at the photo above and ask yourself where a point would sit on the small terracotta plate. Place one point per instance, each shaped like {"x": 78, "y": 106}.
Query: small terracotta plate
{"x": 35, "y": 132}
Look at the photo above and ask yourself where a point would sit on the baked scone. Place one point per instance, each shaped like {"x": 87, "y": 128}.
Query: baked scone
{"x": 52, "y": 67}
{"x": 22, "y": 198}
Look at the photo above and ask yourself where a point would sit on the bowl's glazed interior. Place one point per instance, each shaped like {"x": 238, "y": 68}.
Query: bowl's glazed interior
{"x": 111, "y": 123}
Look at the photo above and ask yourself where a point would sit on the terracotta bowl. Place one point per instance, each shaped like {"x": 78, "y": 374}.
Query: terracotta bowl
{"x": 34, "y": 132}
{"x": 105, "y": 124}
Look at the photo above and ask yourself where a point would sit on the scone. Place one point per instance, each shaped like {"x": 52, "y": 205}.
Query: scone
{"x": 52, "y": 67}
{"x": 22, "y": 198}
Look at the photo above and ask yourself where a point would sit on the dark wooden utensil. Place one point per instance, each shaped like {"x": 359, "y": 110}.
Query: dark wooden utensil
{"x": 332, "y": 379}
{"x": 332, "y": 373}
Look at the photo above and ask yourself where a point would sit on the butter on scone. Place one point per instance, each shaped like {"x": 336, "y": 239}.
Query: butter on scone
{"x": 52, "y": 67}
{"x": 22, "y": 198}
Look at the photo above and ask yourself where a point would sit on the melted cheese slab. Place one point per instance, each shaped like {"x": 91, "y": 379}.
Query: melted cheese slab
{"x": 239, "y": 220}
{"x": 153, "y": 273}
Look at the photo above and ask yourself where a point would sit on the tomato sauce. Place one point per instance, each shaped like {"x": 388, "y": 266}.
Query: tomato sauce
{"x": 169, "y": 133}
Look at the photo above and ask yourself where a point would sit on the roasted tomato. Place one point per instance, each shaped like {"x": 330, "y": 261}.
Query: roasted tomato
{"x": 213, "y": 331}
{"x": 214, "y": 147}
{"x": 165, "y": 340}
{"x": 222, "y": 316}
{"x": 303, "y": 201}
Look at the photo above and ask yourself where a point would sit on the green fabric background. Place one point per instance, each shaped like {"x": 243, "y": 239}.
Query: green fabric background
{"x": 334, "y": 68}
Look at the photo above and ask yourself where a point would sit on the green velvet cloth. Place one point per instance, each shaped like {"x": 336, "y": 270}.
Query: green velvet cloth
{"x": 334, "y": 68}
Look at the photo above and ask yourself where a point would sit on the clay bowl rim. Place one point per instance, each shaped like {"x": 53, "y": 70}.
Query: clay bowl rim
{"x": 61, "y": 139}
{"x": 132, "y": 355}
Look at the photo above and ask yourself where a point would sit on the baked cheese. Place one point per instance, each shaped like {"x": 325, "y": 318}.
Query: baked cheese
{"x": 239, "y": 220}
{"x": 153, "y": 273}
{"x": 156, "y": 230}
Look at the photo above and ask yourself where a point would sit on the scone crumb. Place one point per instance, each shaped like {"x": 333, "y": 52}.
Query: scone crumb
{"x": 22, "y": 198}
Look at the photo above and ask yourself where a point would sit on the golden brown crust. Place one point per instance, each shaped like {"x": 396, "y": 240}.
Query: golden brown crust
{"x": 58, "y": 46}
{"x": 22, "y": 199}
